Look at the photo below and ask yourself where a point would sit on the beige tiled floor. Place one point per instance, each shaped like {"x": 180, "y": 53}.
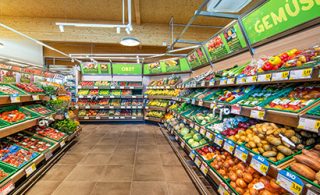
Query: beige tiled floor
{"x": 113, "y": 159}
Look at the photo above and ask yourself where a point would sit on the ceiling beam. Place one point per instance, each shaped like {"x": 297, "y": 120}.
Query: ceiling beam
{"x": 137, "y": 11}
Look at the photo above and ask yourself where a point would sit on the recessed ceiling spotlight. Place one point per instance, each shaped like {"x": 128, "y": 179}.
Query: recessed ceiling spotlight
{"x": 61, "y": 28}
{"x": 129, "y": 41}
{"x": 1, "y": 45}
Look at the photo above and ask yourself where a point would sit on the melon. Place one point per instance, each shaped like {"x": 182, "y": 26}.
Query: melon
{"x": 197, "y": 137}
{"x": 184, "y": 131}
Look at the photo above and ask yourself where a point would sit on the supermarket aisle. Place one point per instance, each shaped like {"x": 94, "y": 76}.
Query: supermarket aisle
{"x": 117, "y": 159}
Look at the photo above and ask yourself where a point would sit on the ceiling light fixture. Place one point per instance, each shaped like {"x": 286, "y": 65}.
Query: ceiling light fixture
{"x": 1, "y": 45}
{"x": 226, "y": 5}
{"x": 61, "y": 28}
{"x": 118, "y": 30}
{"x": 129, "y": 41}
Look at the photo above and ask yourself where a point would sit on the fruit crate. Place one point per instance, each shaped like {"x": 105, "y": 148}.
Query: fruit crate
{"x": 7, "y": 169}
{"x": 4, "y": 85}
{"x": 3, "y": 124}
{"x": 314, "y": 112}
{"x": 36, "y": 133}
{"x": 303, "y": 178}
{"x": 14, "y": 149}
{"x": 35, "y": 106}
{"x": 245, "y": 90}
{"x": 286, "y": 94}
{"x": 29, "y": 114}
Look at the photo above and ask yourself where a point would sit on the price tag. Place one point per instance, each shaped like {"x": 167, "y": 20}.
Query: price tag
{"x": 290, "y": 182}
{"x": 213, "y": 105}
{"x": 7, "y": 188}
{"x": 95, "y": 87}
{"x": 15, "y": 98}
{"x": 131, "y": 87}
{"x": 48, "y": 155}
{"x": 251, "y": 79}
{"x": 309, "y": 124}
{"x": 111, "y": 107}
{"x": 211, "y": 83}
{"x": 35, "y": 97}
{"x": 53, "y": 97}
{"x": 203, "y": 83}
{"x": 309, "y": 192}
{"x": 193, "y": 101}
{"x": 241, "y": 153}
{"x": 176, "y": 137}
{"x": 191, "y": 124}
{"x": 209, "y": 135}
{"x": 101, "y": 107}
{"x": 30, "y": 169}
{"x": 204, "y": 168}
{"x": 235, "y": 109}
{"x": 222, "y": 190}
{"x": 111, "y": 96}
{"x": 62, "y": 143}
{"x": 241, "y": 80}
{"x": 192, "y": 155}
{"x": 196, "y": 127}
{"x": 264, "y": 77}
{"x": 200, "y": 103}
{"x": 202, "y": 131}
{"x": 258, "y": 114}
{"x": 86, "y": 117}
{"x": 112, "y": 87}
{"x": 116, "y": 117}
{"x": 89, "y": 96}
{"x": 134, "y": 117}
{"x": 122, "y": 117}
{"x": 110, "y": 117}
{"x": 134, "y": 96}
{"x": 100, "y": 96}
{"x": 223, "y": 81}
{"x": 87, "y": 107}
{"x": 98, "y": 117}
{"x": 122, "y": 107}
{"x": 197, "y": 161}
{"x": 76, "y": 106}
{"x": 279, "y": 76}
{"x": 229, "y": 146}
{"x": 182, "y": 144}
{"x": 260, "y": 164}
{"x": 230, "y": 81}
{"x": 79, "y": 87}
{"x": 218, "y": 140}
{"x": 301, "y": 74}
{"x": 134, "y": 107}
{"x": 167, "y": 87}
{"x": 121, "y": 87}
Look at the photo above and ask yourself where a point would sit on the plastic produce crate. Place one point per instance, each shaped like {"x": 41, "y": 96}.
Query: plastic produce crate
{"x": 28, "y": 113}
{"x": 3, "y": 85}
{"x": 8, "y": 169}
{"x": 38, "y": 106}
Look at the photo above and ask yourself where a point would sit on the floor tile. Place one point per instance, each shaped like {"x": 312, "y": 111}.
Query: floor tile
{"x": 85, "y": 173}
{"x": 103, "y": 149}
{"x": 96, "y": 159}
{"x": 43, "y": 188}
{"x": 147, "y": 149}
{"x": 125, "y": 148}
{"x": 81, "y": 148}
{"x": 170, "y": 159}
{"x": 175, "y": 173}
{"x": 148, "y": 173}
{"x": 122, "y": 158}
{"x": 117, "y": 173}
{"x": 148, "y": 158}
{"x": 74, "y": 188}
{"x": 177, "y": 188}
{"x": 58, "y": 172}
{"x": 111, "y": 188}
{"x": 146, "y": 141}
{"x": 71, "y": 158}
{"x": 165, "y": 149}
{"x": 149, "y": 188}
{"x": 108, "y": 141}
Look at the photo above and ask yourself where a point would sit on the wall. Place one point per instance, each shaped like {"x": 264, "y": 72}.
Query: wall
{"x": 300, "y": 40}
{"x": 21, "y": 49}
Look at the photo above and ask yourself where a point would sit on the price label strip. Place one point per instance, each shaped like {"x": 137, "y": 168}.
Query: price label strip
{"x": 209, "y": 135}
{"x": 251, "y": 79}
{"x": 182, "y": 144}
{"x": 241, "y": 80}
{"x": 200, "y": 103}
{"x": 204, "y": 168}
{"x": 230, "y": 81}
{"x": 211, "y": 83}
{"x": 48, "y": 155}
{"x": 223, "y": 81}
{"x": 35, "y": 97}
{"x": 62, "y": 143}
{"x": 218, "y": 140}
{"x": 192, "y": 154}
{"x": 15, "y": 98}
{"x": 197, "y": 161}
{"x": 193, "y": 101}
{"x": 260, "y": 164}
{"x": 30, "y": 169}
{"x": 290, "y": 182}
{"x": 258, "y": 114}
{"x": 235, "y": 109}
{"x": 309, "y": 124}
{"x": 241, "y": 153}
{"x": 197, "y": 128}
{"x": 203, "y": 131}
{"x": 264, "y": 77}
{"x": 222, "y": 190}
{"x": 7, "y": 188}
{"x": 301, "y": 74}
{"x": 229, "y": 146}
{"x": 280, "y": 76}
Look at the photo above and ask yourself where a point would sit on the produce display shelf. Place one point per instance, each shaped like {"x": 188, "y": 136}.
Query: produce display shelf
{"x": 279, "y": 117}
{"x": 156, "y": 108}
{"x": 23, "y": 98}
{"x": 158, "y": 97}
{"x": 200, "y": 181}
{"x": 254, "y": 80}
{"x": 154, "y": 119}
{"x": 18, "y": 127}
{"x": 24, "y": 178}
{"x": 110, "y": 87}
{"x": 101, "y": 107}
{"x": 110, "y": 118}
{"x": 111, "y": 96}
{"x": 161, "y": 87}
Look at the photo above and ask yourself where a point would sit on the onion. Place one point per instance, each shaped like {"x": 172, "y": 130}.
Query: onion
{"x": 247, "y": 177}
{"x": 239, "y": 173}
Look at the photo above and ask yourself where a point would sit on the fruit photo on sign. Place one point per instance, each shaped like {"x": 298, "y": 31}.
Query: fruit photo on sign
{"x": 89, "y": 68}
{"x": 172, "y": 65}
{"x": 214, "y": 43}
{"x": 154, "y": 67}
{"x": 104, "y": 68}
{"x": 192, "y": 59}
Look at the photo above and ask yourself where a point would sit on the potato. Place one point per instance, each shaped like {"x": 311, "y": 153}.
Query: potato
{"x": 274, "y": 149}
{"x": 256, "y": 150}
{"x": 295, "y": 140}
{"x": 310, "y": 141}
{"x": 261, "y": 150}
{"x": 261, "y": 135}
{"x": 269, "y": 154}
{"x": 277, "y": 132}
{"x": 272, "y": 159}
{"x": 286, "y": 144}
{"x": 306, "y": 134}
{"x": 256, "y": 139}
{"x": 274, "y": 125}
{"x": 242, "y": 138}
{"x": 289, "y": 133}
{"x": 284, "y": 150}
{"x": 269, "y": 132}
{"x": 273, "y": 140}
{"x": 280, "y": 156}
{"x": 266, "y": 147}
{"x": 264, "y": 142}
{"x": 252, "y": 144}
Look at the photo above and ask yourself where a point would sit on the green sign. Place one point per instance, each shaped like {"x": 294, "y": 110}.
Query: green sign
{"x": 152, "y": 68}
{"x": 90, "y": 68}
{"x": 276, "y": 16}
{"x": 127, "y": 69}
{"x": 197, "y": 58}
{"x": 105, "y": 68}
{"x": 167, "y": 66}
{"x": 228, "y": 41}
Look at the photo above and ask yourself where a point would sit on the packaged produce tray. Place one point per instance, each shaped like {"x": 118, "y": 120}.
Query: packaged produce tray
{"x": 284, "y": 103}
{"x": 10, "y": 112}
{"x": 8, "y": 170}
{"x": 38, "y": 108}
{"x": 232, "y": 95}
{"x": 7, "y": 89}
